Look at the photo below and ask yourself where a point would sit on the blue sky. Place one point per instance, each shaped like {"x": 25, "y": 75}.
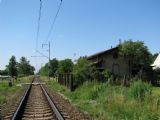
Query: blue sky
{"x": 83, "y": 27}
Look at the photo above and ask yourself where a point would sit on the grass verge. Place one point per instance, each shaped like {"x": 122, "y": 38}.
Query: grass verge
{"x": 104, "y": 102}
{"x": 6, "y": 92}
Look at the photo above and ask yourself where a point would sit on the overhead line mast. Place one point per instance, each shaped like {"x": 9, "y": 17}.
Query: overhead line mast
{"x": 47, "y": 39}
{"x": 48, "y": 35}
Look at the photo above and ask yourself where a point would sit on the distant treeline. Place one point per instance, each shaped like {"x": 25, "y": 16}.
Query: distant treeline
{"x": 15, "y": 69}
{"x": 57, "y": 66}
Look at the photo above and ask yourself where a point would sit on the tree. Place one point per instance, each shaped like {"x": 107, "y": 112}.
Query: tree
{"x": 83, "y": 71}
{"x": 136, "y": 53}
{"x": 4, "y": 72}
{"x": 65, "y": 66}
{"x": 53, "y": 68}
{"x": 12, "y": 67}
{"x": 44, "y": 70}
{"x": 24, "y": 67}
{"x": 32, "y": 69}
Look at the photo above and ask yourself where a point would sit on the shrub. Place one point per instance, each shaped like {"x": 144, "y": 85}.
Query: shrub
{"x": 138, "y": 90}
{"x": 107, "y": 75}
{"x": 98, "y": 76}
{"x": 83, "y": 71}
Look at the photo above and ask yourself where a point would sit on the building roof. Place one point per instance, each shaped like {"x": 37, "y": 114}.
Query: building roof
{"x": 156, "y": 64}
{"x": 103, "y": 52}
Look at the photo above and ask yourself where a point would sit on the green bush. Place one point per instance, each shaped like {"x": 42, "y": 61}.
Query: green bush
{"x": 83, "y": 71}
{"x": 107, "y": 74}
{"x": 138, "y": 90}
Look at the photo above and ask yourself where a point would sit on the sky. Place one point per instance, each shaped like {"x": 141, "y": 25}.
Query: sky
{"x": 83, "y": 27}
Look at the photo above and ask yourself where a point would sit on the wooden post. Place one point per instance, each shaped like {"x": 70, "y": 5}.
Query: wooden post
{"x": 71, "y": 82}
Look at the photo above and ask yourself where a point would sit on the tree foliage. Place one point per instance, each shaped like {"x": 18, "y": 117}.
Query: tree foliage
{"x": 24, "y": 67}
{"x": 4, "y": 72}
{"x": 65, "y": 66}
{"x": 83, "y": 71}
{"x": 44, "y": 70}
{"x": 137, "y": 52}
{"x": 53, "y": 68}
{"x": 12, "y": 67}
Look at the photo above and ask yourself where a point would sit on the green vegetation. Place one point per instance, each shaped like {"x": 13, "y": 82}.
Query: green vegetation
{"x": 139, "y": 90}
{"x": 15, "y": 69}
{"x": 136, "y": 52}
{"x": 24, "y": 67}
{"x": 6, "y": 92}
{"x": 65, "y": 66}
{"x": 3, "y": 72}
{"x": 12, "y": 67}
{"x": 105, "y": 102}
{"x": 53, "y": 68}
{"x": 83, "y": 71}
{"x": 57, "y": 66}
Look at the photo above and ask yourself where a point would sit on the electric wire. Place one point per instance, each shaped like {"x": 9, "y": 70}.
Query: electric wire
{"x": 54, "y": 21}
{"x": 37, "y": 33}
{"x": 38, "y": 27}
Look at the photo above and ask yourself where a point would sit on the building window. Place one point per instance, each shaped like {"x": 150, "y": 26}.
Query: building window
{"x": 115, "y": 69}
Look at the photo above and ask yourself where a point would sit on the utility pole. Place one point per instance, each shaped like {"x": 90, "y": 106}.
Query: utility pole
{"x": 49, "y": 57}
{"x": 49, "y": 64}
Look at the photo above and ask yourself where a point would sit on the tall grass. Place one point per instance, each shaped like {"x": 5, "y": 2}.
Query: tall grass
{"x": 105, "y": 102}
{"x": 6, "y": 91}
{"x": 139, "y": 90}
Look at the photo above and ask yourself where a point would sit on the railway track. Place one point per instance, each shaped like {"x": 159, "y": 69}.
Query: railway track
{"x": 36, "y": 105}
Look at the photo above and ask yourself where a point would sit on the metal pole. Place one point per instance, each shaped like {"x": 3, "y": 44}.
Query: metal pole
{"x": 49, "y": 61}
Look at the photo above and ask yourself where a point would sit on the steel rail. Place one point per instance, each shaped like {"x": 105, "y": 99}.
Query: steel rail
{"x": 52, "y": 105}
{"x": 19, "y": 110}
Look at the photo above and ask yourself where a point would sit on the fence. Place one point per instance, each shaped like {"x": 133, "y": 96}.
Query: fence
{"x": 66, "y": 80}
{"x": 157, "y": 80}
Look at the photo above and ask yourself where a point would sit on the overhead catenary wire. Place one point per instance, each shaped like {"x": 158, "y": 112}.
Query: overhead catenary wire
{"x": 37, "y": 32}
{"x": 54, "y": 21}
{"x": 38, "y": 27}
{"x": 50, "y": 30}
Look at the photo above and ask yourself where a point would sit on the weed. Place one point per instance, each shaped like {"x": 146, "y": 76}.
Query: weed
{"x": 106, "y": 102}
{"x": 139, "y": 90}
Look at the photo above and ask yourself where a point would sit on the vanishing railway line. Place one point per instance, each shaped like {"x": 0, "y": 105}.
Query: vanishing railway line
{"x": 36, "y": 105}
